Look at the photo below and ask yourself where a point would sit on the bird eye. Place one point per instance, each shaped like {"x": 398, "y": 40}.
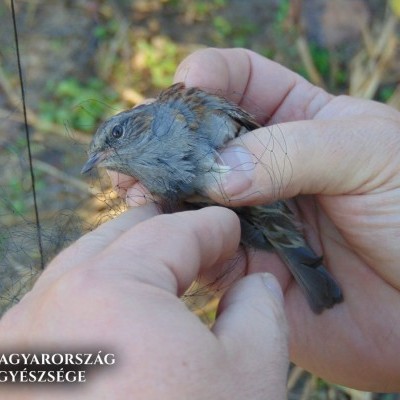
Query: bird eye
{"x": 117, "y": 131}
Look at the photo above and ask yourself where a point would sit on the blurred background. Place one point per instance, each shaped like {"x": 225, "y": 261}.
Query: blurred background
{"x": 84, "y": 60}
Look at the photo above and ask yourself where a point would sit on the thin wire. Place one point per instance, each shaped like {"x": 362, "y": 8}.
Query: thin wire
{"x": 28, "y": 139}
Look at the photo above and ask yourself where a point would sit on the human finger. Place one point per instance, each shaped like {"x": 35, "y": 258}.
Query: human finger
{"x": 263, "y": 87}
{"x": 308, "y": 157}
{"x": 251, "y": 324}
{"x": 94, "y": 242}
{"x": 186, "y": 242}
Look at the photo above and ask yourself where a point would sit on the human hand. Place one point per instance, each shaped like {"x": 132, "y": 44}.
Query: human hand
{"x": 343, "y": 158}
{"x": 112, "y": 290}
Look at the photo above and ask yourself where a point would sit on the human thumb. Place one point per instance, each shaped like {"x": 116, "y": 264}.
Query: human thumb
{"x": 331, "y": 157}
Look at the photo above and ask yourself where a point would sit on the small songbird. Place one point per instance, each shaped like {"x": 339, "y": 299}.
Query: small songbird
{"x": 171, "y": 146}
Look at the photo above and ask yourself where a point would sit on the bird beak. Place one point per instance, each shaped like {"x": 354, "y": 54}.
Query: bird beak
{"x": 93, "y": 160}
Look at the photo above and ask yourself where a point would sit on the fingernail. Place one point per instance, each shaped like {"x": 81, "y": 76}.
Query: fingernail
{"x": 273, "y": 286}
{"x": 181, "y": 73}
{"x": 238, "y": 166}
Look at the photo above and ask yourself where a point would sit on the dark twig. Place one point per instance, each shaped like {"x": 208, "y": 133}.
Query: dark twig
{"x": 28, "y": 141}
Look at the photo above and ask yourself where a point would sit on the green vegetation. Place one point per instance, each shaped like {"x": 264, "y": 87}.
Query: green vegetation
{"x": 385, "y": 93}
{"x": 236, "y": 35}
{"x": 80, "y": 105}
{"x": 282, "y": 12}
{"x": 14, "y": 190}
{"x": 158, "y": 59}
{"x": 107, "y": 30}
